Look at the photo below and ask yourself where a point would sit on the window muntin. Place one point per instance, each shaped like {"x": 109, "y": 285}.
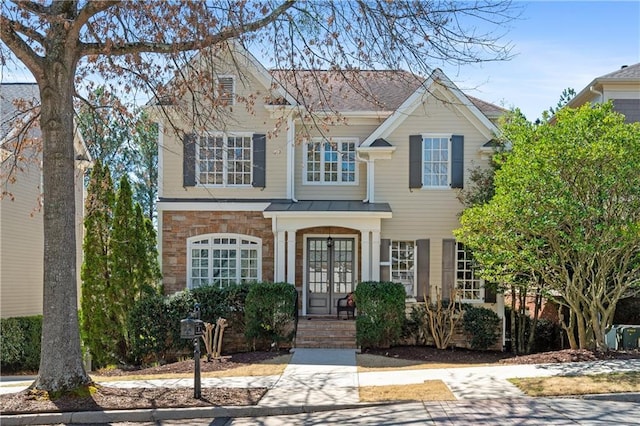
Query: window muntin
{"x": 403, "y": 255}
{"x": 223, "y": 259}
{"x": 224, "y": 159}
{"x": 469, "y": 286}
{"x": 331, "y": 162}
{"x": 435, "y": 160}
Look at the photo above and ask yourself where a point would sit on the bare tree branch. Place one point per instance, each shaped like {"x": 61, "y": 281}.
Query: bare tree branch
{"x": 170, "y": 47}
{"x": 20, "y": 48}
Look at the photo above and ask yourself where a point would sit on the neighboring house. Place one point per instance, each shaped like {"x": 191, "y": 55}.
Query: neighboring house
{"x": 622, "y": 87}
{"x": 21, "y": 224}
{"x": 370, "y": 195}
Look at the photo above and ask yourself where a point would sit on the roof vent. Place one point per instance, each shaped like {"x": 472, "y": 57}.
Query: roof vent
{"x": 623, "y": 67}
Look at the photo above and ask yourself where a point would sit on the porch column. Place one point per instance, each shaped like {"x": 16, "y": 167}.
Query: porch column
{"x": 280, "y": 258}
{"x": 291, "y": 257}
{"x": 366, "y": 253}
{"x": 375, "y": 255}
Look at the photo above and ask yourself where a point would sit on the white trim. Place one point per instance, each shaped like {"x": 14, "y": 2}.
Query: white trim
{"x": 412, "y": 102}
{"x": 322, "y": 171}
{"x": 447, "y": 136}
{"x": 160, "y": 158}
{"x": 305, "y": 284}
{"x": 211, "y": 206}
{"x": 329, "y": 216}
{"x": 291, "y": 153}
{"x": 238, "y": 246}
{"x": 225, "y": 157}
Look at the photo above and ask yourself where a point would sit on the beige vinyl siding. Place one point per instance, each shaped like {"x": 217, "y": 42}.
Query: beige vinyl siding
{"x": 425, "y": 213}
{"x": 318, "y": 191}
{"x": 22, "y": 244}
{"x": 240, "y": 120}
{"x": 21, "y": 247}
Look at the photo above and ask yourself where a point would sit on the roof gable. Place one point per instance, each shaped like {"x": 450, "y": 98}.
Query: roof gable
{"x": 437, "y": 81}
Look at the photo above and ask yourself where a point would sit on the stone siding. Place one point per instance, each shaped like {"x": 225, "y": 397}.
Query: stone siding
{"x": 177, "y": 226}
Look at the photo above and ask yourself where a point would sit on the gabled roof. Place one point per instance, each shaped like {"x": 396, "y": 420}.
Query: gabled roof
{"x": 350, "y": 90}
{"x": 625, "y": 75}
{"x": 437, "y": 80}
{"x": 20, "y": 103}
{"x": 361, "y": 91}
{"x": 10, "y": 94}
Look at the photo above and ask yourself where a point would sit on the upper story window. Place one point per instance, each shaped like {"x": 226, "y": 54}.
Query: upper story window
{"x": 331, "y": 162}
{"x": 223, "y": 259}
{"x": 224, "y": 159}
{"x": 226, "y": 90}
{"x": 436, "y": 161}
{"x": 403, "y": 264}
{"x": 470, "y": 287}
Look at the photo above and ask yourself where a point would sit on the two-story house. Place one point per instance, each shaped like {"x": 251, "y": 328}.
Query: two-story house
{"x": 21, "y": 184}
{"x": 359, "y": 183}
{"x": 622, "y": 87}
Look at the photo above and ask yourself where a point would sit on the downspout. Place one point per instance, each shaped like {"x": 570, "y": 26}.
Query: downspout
{"x": 369, "y": 171}
{"x": 291, "y": 152}
{"x": 592, "y": 90}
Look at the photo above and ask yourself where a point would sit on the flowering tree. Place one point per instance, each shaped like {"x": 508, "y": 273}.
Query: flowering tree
{"x": 71, "y": 46}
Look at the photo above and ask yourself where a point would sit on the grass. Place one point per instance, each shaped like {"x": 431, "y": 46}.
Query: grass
{"x": 580, "y": 385}
{"x": 367, "y": 362}
{"x": 270, "y": 367}
{"x": 430, "y": 390}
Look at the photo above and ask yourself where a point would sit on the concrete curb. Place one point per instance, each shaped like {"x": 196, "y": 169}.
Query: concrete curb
{"x": 155, "y": 414}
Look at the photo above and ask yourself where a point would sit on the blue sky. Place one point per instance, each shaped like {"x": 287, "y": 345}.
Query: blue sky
{"x": 558, "y": 45}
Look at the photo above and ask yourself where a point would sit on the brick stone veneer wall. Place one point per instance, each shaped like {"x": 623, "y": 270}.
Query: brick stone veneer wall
{"x": 177, "y": 226}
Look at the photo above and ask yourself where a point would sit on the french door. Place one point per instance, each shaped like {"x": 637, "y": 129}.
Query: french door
{"x": 330, "y": 272}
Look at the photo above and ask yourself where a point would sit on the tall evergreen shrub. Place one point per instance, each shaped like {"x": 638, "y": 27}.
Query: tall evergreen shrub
{"x": 381, "y": 313}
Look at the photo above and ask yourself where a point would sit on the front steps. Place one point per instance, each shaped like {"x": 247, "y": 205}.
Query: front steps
{"x": 326, "y": 333}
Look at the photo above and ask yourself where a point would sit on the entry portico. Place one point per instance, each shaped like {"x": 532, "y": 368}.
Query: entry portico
{"x": 290, "y": 218}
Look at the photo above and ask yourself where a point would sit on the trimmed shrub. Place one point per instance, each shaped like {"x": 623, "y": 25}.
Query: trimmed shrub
{"x": 270, "y": 313}
{"x": 148, "y": 329}
{"x": 482, "y": 325}
{"x": 20, "y": 343}
{"x": 380, "y": 314}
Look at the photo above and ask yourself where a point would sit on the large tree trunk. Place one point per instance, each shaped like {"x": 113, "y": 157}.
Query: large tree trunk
{"x": 61, "y": 365}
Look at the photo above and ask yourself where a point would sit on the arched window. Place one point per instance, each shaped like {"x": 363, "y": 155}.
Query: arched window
{"x": 223, "y": 259}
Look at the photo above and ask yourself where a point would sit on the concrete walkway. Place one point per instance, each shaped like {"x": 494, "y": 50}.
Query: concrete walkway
{"x": 324, "y": 380}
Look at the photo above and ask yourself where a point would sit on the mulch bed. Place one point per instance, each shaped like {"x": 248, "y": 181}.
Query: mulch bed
{"x": 108, "y": 398}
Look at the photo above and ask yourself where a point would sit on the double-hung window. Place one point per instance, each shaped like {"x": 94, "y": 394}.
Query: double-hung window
{"x": 435, "y": 161}
{"x": 223, "y": 259}
{"x": 470, "y": 287}
{"x": 403, "y": 264}
{"x": 224, "y": 159}
{"x": 331, "y": 162}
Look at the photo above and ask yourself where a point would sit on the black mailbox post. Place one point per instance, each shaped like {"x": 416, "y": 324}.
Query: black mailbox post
{"x": 193, "y": 328}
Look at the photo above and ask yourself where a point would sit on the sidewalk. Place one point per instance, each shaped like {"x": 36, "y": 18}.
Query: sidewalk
{"x": 323, "y": 380}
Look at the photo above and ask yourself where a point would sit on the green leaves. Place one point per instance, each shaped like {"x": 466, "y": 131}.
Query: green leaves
{"x": 567, "y": 208}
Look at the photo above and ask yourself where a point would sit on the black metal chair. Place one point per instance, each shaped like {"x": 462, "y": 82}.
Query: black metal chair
{"x": 346, "y": 304}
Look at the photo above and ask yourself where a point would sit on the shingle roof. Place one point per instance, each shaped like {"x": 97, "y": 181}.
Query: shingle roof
{"x": 351, "y": 91}
{"x": 329, "y": 206}
{"x": 9, "y": 111}
{"x": 624, "y": 73}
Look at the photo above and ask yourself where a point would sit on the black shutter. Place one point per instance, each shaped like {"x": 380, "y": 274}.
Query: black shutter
{"x": 415, "y": 161}
{"x": 457, "y": 161}
{"x": 422, "y": 268}
{"x": 259, "y": 161}
{"x": 490, "y": 293}
{"x": 448, "y": 267}
{"x": 189, "y": 160}
{"x": 385, "y": 270}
